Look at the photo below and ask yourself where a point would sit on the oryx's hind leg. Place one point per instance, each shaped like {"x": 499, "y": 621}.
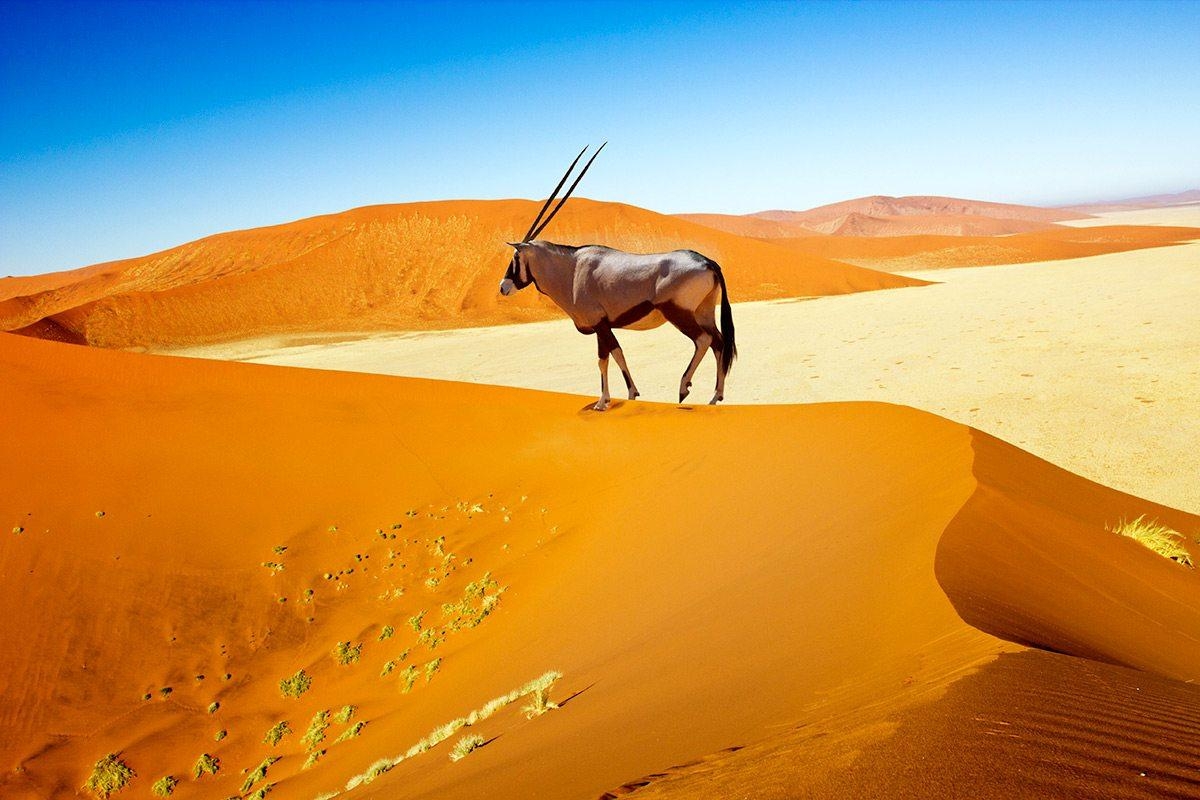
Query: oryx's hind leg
{"x": 703, "y": 341}
{"x": 605, "y": 344}
{"x": 718, "y": 344}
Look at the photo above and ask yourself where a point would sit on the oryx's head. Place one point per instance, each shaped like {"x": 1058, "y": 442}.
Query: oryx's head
{"x": 519, "y": 275}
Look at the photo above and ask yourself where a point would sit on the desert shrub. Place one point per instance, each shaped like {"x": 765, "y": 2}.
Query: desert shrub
{"x": 1165, "y": 541}
{"x": 258, "y": 773}
{"x": 415, "y": 620}
{"x": 213, "y": 706}
{"x": 463, "y": 747}
{"x": 316, "y": 730}
{"x": 206, "y": 765}
{"x": 431, "y": 669}
{"x": 386, "y": 632}
{"x": 277, "y": 732}
{"x": 312, "y": 759}
{"x": 219, "y": 735}
{"x": 296, "y": 685}
{"x": 344, "y": 715}
{"x": 352, "y": 732}
{"x": 410, "y": 677}
{"x": 387, "y": 668}
{"x": 164, "y": 786}
{"x": 109, "y": 776}
{"x": 345, "y": 653}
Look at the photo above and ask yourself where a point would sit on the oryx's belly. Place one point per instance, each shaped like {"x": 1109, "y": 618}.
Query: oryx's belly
{"x": 650, "y": 320}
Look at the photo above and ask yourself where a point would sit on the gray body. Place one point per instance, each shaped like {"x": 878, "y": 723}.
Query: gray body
{"x": 602, "y": 289}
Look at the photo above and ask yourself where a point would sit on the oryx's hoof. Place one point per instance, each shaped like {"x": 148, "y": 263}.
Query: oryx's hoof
{"x": 634, "y": 394}
{"x": 601, "y": 405}
{"x": 716, "y": 399}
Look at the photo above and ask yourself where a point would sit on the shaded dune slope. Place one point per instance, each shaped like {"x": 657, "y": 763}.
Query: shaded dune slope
{"x": 705, "y": 579}
{"x": 411, "y": 266}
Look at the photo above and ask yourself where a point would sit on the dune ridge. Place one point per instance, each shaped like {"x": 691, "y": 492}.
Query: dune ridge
{"x": 414, "y": 266}
{"x": 796, "y": 567}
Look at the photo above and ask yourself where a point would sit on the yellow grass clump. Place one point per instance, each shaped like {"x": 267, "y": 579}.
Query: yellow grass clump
{"x": 1165, "y": 541}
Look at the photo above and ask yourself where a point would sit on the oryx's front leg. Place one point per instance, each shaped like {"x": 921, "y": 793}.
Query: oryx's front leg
{"x": 605, "y": 344}
{"x": 620, "y": 357}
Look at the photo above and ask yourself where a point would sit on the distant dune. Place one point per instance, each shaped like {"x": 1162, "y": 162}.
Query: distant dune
{"x": 879, "y": 215}
{"x": 398, "y": 267}
{"x": 939, "y": 252}
{"x": 778, "y": 601}
{"x": 1187, "y": 197}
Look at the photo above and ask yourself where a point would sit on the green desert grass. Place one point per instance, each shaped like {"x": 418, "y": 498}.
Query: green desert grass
{"x": 109, "y": 776}
{"x": 277, "y": 732}
{"x": 296, "y": 685}
{"x": 164, "y": 786}
{"x": 345, "y": 714}
{"x": 352, "y": 732}
{"x": 316, "y": 730}
{"x": 386, "y": 632}
{"x": 1165, "y": 541}
{"x": 463, "y": 747}
{"x": 258, "y": 773}
{"x": 345, "y": 653}
{"x": 538, "y": 687}
{"x": 206, "y": 764}
{"x": 410, "y": 677}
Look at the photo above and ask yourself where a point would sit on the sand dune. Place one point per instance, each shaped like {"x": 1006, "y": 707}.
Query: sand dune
{"x": 892, "y": 216}
{"x": 780, "y": 584}
{"x": 405, "y": 267}
{"x": 1091, "y": 363}
{"x": 939, "y": 252}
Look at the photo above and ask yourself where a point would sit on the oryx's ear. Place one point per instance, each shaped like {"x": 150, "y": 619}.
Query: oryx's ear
{"x": 517, "y": 245}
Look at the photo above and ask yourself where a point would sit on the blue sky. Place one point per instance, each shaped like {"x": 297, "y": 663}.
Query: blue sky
{"x": 126, "y": 128}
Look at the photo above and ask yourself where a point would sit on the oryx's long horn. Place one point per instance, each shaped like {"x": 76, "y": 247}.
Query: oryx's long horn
{"x": 554, "y": 194}
{"x": 546, "y": 221}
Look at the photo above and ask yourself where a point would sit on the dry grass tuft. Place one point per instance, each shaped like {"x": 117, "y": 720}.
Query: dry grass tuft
{"x": 1165, "y": 541}
{"x": 463, "y": 747}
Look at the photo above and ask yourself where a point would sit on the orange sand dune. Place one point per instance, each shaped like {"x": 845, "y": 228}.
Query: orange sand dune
{"x": 855, "y": 224}
{"x": 935, "y": 252}
{"x": 748, "y": 225}
{"x": 778, "y": 586}
{"x": 414, "y": 266}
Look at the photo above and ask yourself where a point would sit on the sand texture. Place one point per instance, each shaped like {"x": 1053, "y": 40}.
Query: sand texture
{"x": 776, "y": 601}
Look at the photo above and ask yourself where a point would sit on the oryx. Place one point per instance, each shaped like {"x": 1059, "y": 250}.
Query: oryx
{"x": 601, "y": 289}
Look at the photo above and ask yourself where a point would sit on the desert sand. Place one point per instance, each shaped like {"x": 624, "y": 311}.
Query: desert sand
{"x": 1092, "y": 363}
{"x": 764, "y": 600}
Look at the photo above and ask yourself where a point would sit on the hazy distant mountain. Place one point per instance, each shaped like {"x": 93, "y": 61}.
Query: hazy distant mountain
{"x": 1131, "y": 203}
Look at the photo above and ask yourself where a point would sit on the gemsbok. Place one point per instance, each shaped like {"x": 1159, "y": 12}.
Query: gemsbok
{"x": 601, "y": 289}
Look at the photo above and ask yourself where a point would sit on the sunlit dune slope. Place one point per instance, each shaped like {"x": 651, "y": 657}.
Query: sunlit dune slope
{"x": 703, "y": 578}
{"x": 413, "y": 266}
{"x": 934, "y": 252}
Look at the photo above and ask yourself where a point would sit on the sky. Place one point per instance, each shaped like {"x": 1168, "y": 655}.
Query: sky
{"x": 127, "y": 128}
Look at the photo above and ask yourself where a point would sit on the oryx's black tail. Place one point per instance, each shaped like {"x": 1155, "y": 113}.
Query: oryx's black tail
{"x": 728, "y": 345}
